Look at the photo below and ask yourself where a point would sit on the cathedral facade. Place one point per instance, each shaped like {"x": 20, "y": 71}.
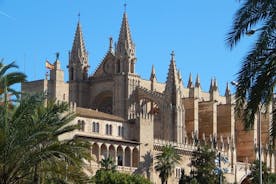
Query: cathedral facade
{"x": 129, "y": 118}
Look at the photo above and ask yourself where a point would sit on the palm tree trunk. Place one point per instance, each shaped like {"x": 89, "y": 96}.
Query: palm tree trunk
{"x": 36, "y": 177}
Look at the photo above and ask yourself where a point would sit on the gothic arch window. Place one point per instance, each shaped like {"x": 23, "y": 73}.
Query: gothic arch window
{"x": 106, "y": 129}
{"x": 132, "y": 67}
{"x": 110, "y": 129}
{"x": 118, "y": 66}
{"x": 71, "y": 74}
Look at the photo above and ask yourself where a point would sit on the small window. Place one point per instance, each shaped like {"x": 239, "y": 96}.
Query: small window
{"x": 106, "y": 129}
{"x": 94, "y": 127}
{"x": 97, "y": 127}
{"x": 119, "y": 130}
{"x": 122, "y": 131}
{"x": 110, "y": 129}
{"x": 81, "y": 125}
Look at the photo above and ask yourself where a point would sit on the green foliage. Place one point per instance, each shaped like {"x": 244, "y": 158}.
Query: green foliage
{"x": 30, "y": 149}
{"x": 256, "y": 78}
{"x": 114, "y": 177}
{"x": 166, "y": 161}
{"x": 255, "y": 173}
{"x": 203, "y": 166}
{"x": 108, "y": 164}
{"x": 8, "y": 79}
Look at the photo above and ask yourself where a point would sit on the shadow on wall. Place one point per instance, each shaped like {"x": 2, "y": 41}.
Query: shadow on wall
{"x": 145, "y": 166}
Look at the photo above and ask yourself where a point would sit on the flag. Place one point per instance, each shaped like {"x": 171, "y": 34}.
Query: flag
{"x": 49, "y": 65}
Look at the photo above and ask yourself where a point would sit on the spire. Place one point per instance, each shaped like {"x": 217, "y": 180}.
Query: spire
{"x": 78, "y": 50}
{"x": 227, "y": 90}
{"x": 125, "y": 43}
{"x": 152, "y": 76}
{"x": 172, "y": 74}
{"x": 78, "y": 57}
{"x": 110, "y": 44}
{"x": 190, "y": 82}
{"x": 197, "y": 83}
{"x": 211, "y": 85}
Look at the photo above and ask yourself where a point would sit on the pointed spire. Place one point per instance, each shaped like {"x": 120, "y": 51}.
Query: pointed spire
{"x": 190, "y": 82}
{"x": 152, "y": 76}
{"x": 197, "y": 83}
{"x": 215, "y": 84}
{"x": 110, "y": 44}
{"x": 172, "y": 74}
{"x": 78, "y": 49}
{"x": 227, "y": 90}
{"x": 125, "y": 43}
{"x": 211, "y": 85}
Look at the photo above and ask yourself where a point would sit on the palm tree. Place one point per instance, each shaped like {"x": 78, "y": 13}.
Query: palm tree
{"x": 31, "y": 149}
{"x": 166, "y": 161}
{"x": 256, "y": 78}
{"x": 9, "y": 79}
{"x": 108, "y": 164}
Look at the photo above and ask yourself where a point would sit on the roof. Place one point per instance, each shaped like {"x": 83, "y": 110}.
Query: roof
{"x": 90, "y": 113}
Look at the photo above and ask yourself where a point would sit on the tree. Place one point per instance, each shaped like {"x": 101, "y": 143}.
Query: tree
{"x": 115, "y": 177}
{"x": 30, "y": 147}
{"x": 203, "y": 165}
{"x": 108, "y": 164}
{"x": 8, "y": 79}
{"x": 166, "y": 161}
{"x": 255, "y": 173}
{"x": 256, "y": 78}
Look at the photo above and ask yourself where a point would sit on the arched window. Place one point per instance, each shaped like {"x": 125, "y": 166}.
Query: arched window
{"x": 122, "y": 131}
{"x": 110, "y": 129}
{"x": 71, "y": 74}
{"x": 118, "y": 66}
{"x": 94, "y": 127}
{"x": 98, "y": 127}
{"x": 106, "y": 129}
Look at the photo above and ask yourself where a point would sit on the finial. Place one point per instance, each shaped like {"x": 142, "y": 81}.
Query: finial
{"x": 172, "y": 56}
{"x": 125, "y": 5}
{"x": 57, "y": 55}
{"x": 110, "y": 44}
{"x": 79, "y": 16}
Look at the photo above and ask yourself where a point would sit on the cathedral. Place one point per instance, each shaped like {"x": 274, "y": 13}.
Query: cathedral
{"x": 130, "y": 119}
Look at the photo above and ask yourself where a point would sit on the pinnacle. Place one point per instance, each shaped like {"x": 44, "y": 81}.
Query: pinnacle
{"x": 190, "y": 82}
{"x": 197, "y": 83}
{"x": 125, "y": 42}
{"x": 78, "y": 48}
{"x": 227, "y": 90}
{"x": 153, "y": 75}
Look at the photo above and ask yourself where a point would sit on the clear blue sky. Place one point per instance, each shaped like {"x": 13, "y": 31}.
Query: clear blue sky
{"x": 33, "y": 31}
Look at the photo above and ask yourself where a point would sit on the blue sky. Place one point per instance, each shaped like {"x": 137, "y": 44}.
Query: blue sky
{"x": 33, "y": 31}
